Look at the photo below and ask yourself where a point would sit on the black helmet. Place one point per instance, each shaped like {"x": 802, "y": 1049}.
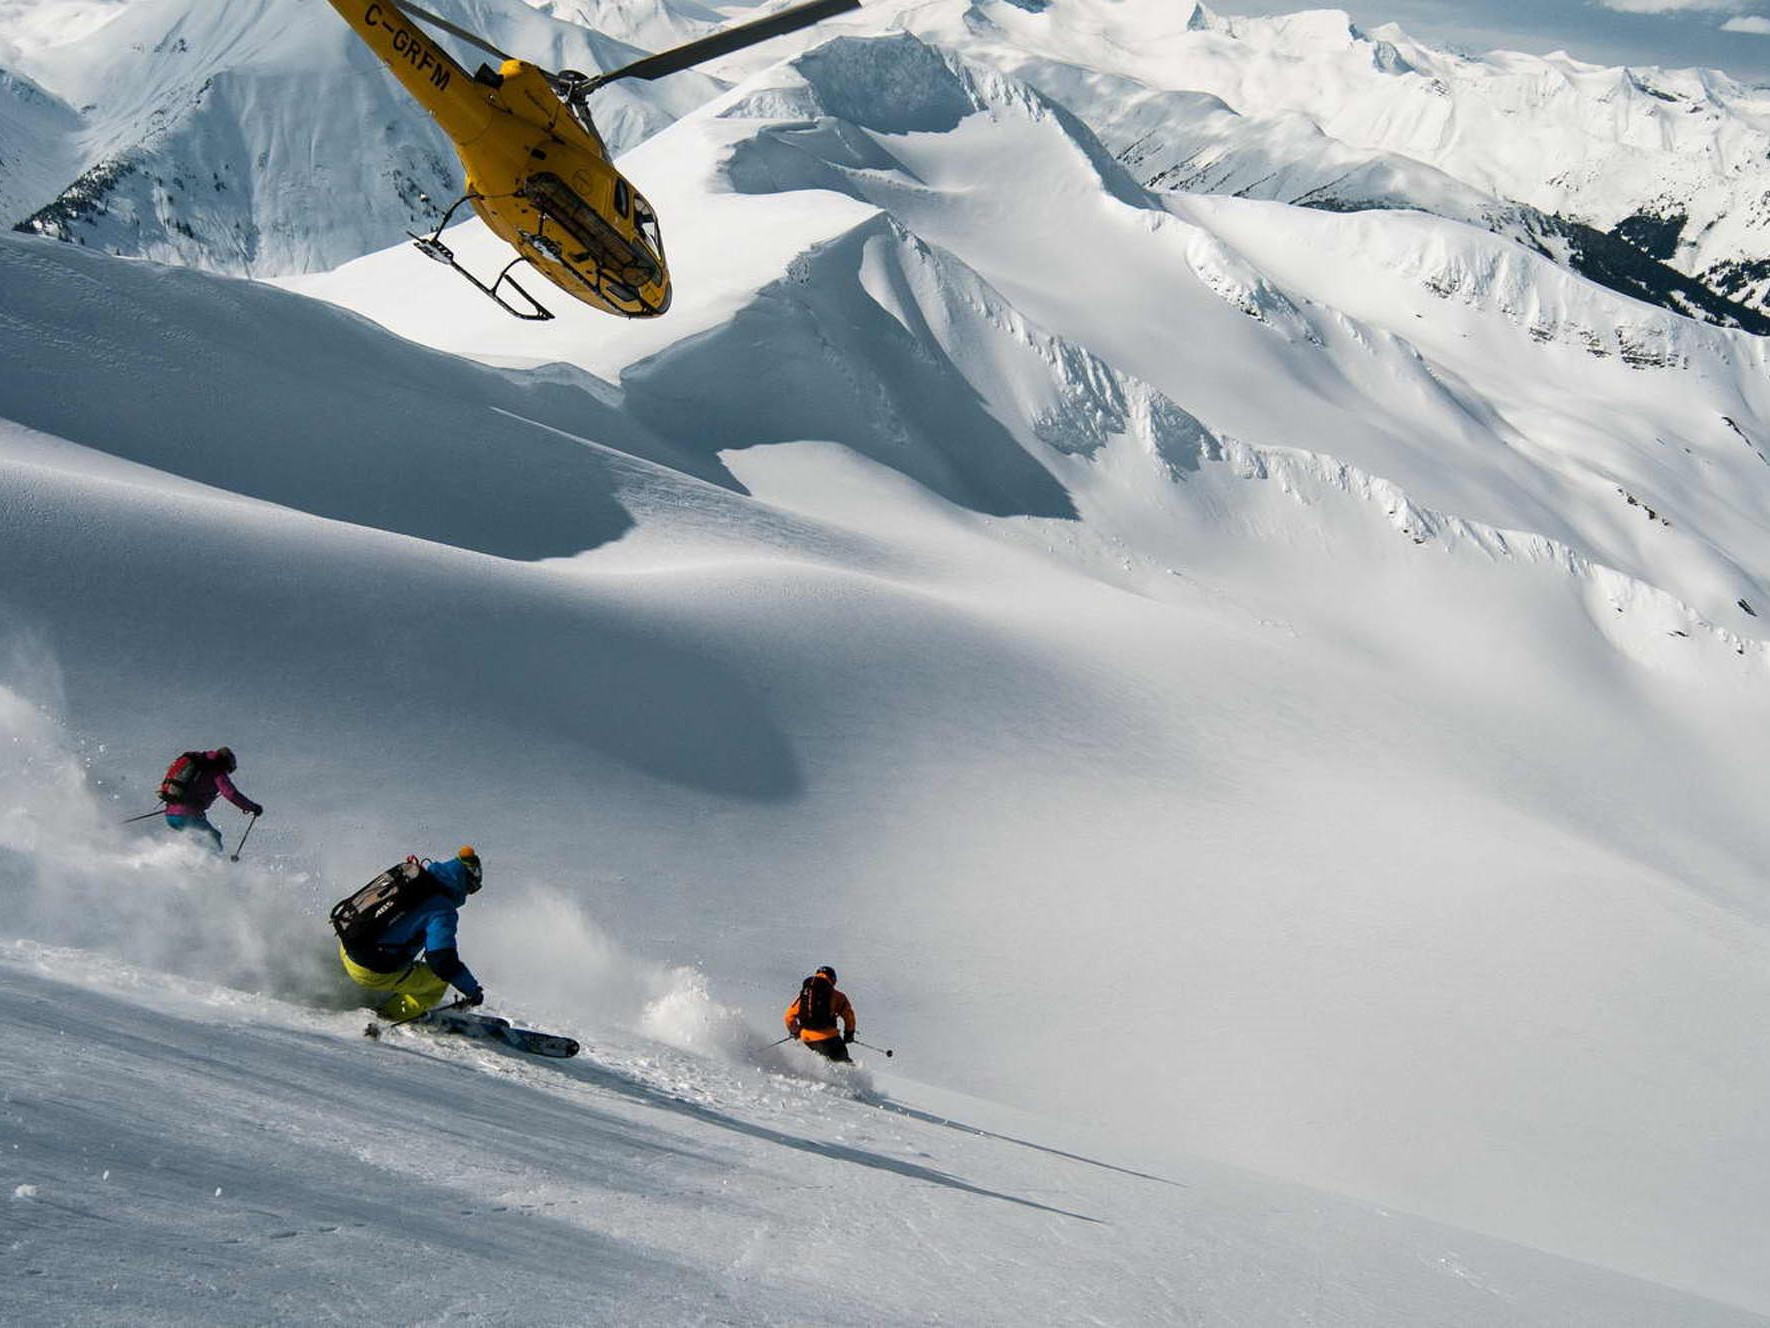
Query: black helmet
{"x": 475, "y": 873}
{"x": 224, "y": 757}
{"x": 828, "y": 972}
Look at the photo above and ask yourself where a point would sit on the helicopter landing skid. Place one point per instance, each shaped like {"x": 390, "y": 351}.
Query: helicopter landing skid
{"x": 431, "y": 246}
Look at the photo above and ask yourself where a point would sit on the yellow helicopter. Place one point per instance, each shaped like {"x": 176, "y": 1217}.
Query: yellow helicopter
{"x": 538, "y": 173}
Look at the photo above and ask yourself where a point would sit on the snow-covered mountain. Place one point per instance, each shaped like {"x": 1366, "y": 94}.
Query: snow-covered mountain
{"x": 251, "y": 140}
{"x": 899, "y": 134}
{"x": 1306, "y": 108}
{"x": 39, "y": 131}
{"x": 263, "y": 138}
{"x": 1262, "y": 703}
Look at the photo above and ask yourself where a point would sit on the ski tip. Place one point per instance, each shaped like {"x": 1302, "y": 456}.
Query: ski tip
{"x": 373, "y": 1030}
{"x": 551, "y": 1045}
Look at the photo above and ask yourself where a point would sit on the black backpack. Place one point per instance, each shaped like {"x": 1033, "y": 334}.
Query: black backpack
{"x": 817, "y": 1003}
{"x": 361, "y": 918}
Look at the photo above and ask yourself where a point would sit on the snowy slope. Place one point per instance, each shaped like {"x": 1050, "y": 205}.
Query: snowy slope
{"x": 1282, "y": 148}
{"x": 38, "y": 131}
{"x": 1277, "y": 686}
{"x": 264, "y": 138}
{"x": 186, "y": 1152}
{"x": 415, "y": 1180}
{"x": 34, "y": 26}
{"x": 889, "y": 125}
{"x": 1306, "y": 107}
{"x": 655, "y": 25}
{"x": 1239, "y": 732}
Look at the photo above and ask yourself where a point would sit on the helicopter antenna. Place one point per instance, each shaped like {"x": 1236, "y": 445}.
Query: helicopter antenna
{"x": 719, "y": 43}
{"x": 471, "y": 39}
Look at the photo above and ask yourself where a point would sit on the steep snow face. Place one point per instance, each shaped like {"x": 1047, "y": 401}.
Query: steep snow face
{"x": 263, "y": 138}
{"x": 421, "y": 435}
{"x": 1320, "y": 112}
{"x": 38, "y": 133}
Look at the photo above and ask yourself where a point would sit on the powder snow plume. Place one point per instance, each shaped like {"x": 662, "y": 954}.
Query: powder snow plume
{"x": 72, "y": 874}
{"x": 540, "y": 950}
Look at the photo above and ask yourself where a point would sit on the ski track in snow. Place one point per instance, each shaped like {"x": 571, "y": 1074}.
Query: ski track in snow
{"x": 236, "y": 1157}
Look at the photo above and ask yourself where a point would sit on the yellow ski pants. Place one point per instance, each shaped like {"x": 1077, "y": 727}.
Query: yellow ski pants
{"x": 412, "y": 990}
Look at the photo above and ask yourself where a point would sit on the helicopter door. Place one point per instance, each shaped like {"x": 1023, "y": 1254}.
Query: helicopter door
{"x": 591, "y": 238}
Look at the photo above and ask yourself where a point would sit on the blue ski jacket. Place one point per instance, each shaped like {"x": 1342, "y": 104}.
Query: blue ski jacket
{"x": 429, "y": 929}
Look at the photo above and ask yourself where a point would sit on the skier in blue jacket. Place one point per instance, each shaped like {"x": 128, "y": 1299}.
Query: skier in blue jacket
{"x": 413, "y": 957}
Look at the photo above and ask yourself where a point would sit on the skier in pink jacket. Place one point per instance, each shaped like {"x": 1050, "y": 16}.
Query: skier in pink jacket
{"x": 192, "y": 784}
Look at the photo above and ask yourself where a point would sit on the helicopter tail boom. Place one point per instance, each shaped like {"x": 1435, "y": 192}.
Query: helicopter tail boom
{"x": 428, "y": 72}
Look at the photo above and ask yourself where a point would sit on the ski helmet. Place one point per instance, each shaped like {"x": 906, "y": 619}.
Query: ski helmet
{"x": 224, "y": 757}
{"x": 475, "y": 872}
{"x": 829, "y": 973}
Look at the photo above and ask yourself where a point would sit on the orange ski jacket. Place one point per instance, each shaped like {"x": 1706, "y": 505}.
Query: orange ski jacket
{"x": 839, "y": 1009}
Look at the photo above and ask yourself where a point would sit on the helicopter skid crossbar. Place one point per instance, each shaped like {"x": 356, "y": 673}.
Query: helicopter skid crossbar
{"x": 432, "y": 247}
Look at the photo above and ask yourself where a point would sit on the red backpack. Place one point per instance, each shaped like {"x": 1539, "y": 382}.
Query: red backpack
{"x": 180, "y": 775}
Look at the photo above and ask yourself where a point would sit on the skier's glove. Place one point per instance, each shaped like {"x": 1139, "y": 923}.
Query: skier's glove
{"x": 256, "y": 809}
{"x": 474, "y": 998}
{"x": 847, "y": 1035}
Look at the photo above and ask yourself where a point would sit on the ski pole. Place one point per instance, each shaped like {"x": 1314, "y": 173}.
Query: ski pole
{"x": 242, "y": 844}
{"x": 156, "y": 811}
{"x": 870, "y": 1047}
{"x": 788, "y": 1038}
{"x": 409, "y": 1018}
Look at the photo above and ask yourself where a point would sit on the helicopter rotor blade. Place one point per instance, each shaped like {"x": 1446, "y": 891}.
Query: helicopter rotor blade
{"x": 724, "y": 42}
{"x": 436, "y": 20}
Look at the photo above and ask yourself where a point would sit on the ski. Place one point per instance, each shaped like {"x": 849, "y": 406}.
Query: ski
{"x": 492, "y": 1029}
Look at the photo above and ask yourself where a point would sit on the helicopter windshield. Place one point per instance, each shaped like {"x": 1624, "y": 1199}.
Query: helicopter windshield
{"x": 600, "y": 242}
{"x": 647, "y": 222}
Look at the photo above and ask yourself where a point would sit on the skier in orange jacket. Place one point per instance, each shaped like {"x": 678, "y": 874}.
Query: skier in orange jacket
{"x": 812, "y": 1017}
